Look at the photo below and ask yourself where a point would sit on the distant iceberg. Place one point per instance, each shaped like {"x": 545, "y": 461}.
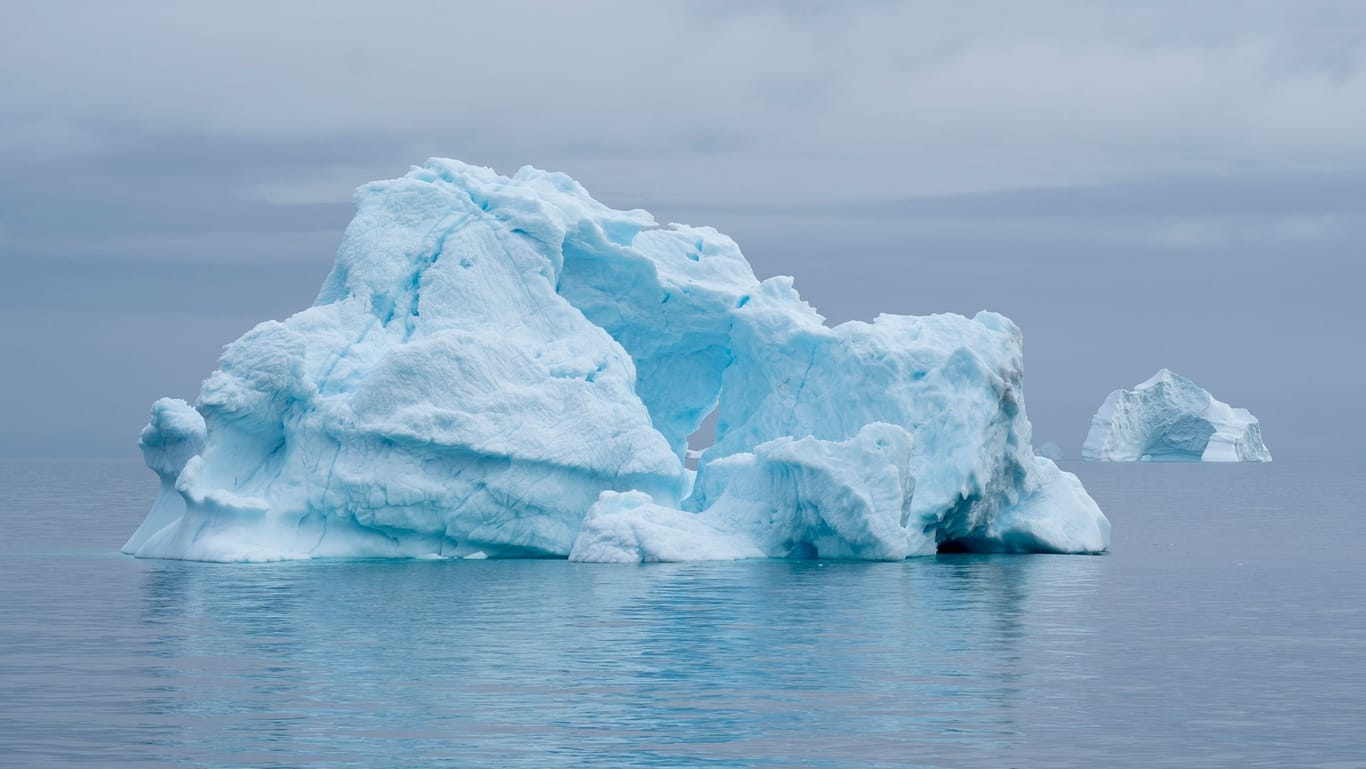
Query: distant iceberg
{"x": 505, "y": 367}
{"x": 1171, "y": 419}
{"x": 1051, "y": 450}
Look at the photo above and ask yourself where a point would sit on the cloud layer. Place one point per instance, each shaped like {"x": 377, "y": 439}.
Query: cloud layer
{"x": 1145, "y": 184}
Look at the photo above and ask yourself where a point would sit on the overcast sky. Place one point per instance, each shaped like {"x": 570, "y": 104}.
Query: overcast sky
{"x": 1178, "y": 184}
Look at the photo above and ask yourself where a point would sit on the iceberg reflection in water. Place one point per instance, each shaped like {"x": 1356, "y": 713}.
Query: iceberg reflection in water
{"x": 506, "y": 663}
{"x": 1214, "y": 634}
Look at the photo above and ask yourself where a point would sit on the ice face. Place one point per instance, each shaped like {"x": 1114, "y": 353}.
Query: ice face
{"x": 788, "y": 498}
{"x": 505, "y": 367}
{"x": 1169, "y": 418}
{"x": 175, "y": 434}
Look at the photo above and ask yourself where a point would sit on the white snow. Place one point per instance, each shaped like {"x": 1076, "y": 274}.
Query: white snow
{"x": 1170, "y": 418}
{"x": 505, "y": 367}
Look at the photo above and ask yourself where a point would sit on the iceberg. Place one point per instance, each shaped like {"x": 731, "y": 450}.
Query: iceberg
{"x": 505, "y": 367}
{"x": 1169, "y": 418}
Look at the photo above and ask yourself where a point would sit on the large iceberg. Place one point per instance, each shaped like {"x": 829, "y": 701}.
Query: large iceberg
{"x": 505, "y": 367}
{"x": 1169, "y": 418}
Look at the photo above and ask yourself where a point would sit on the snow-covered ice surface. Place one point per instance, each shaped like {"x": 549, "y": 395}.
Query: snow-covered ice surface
{"x": 504, "y": 367}
{"x": 1171, "y": 419}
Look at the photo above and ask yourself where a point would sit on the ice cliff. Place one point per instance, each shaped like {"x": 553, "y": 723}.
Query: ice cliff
{"x": 504, "y": 367}
{"x": 1171, "y": 419}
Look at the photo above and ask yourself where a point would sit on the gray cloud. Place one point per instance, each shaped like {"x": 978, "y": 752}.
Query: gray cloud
{"x": 886, "y": 97}
{"x": 1282, "y": 195}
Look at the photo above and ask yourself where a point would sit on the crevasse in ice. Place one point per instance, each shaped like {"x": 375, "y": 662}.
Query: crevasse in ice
{"x": 505, "y": 367}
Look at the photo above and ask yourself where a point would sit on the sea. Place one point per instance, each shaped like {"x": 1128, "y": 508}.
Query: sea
{"x": 1226, "y": 627}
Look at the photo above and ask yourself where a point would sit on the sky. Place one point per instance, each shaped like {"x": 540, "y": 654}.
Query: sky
{"x": 1138, "y": 186}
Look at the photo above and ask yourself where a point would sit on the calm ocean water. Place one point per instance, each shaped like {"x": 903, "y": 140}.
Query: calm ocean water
{"x": 1227, "y": 628}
